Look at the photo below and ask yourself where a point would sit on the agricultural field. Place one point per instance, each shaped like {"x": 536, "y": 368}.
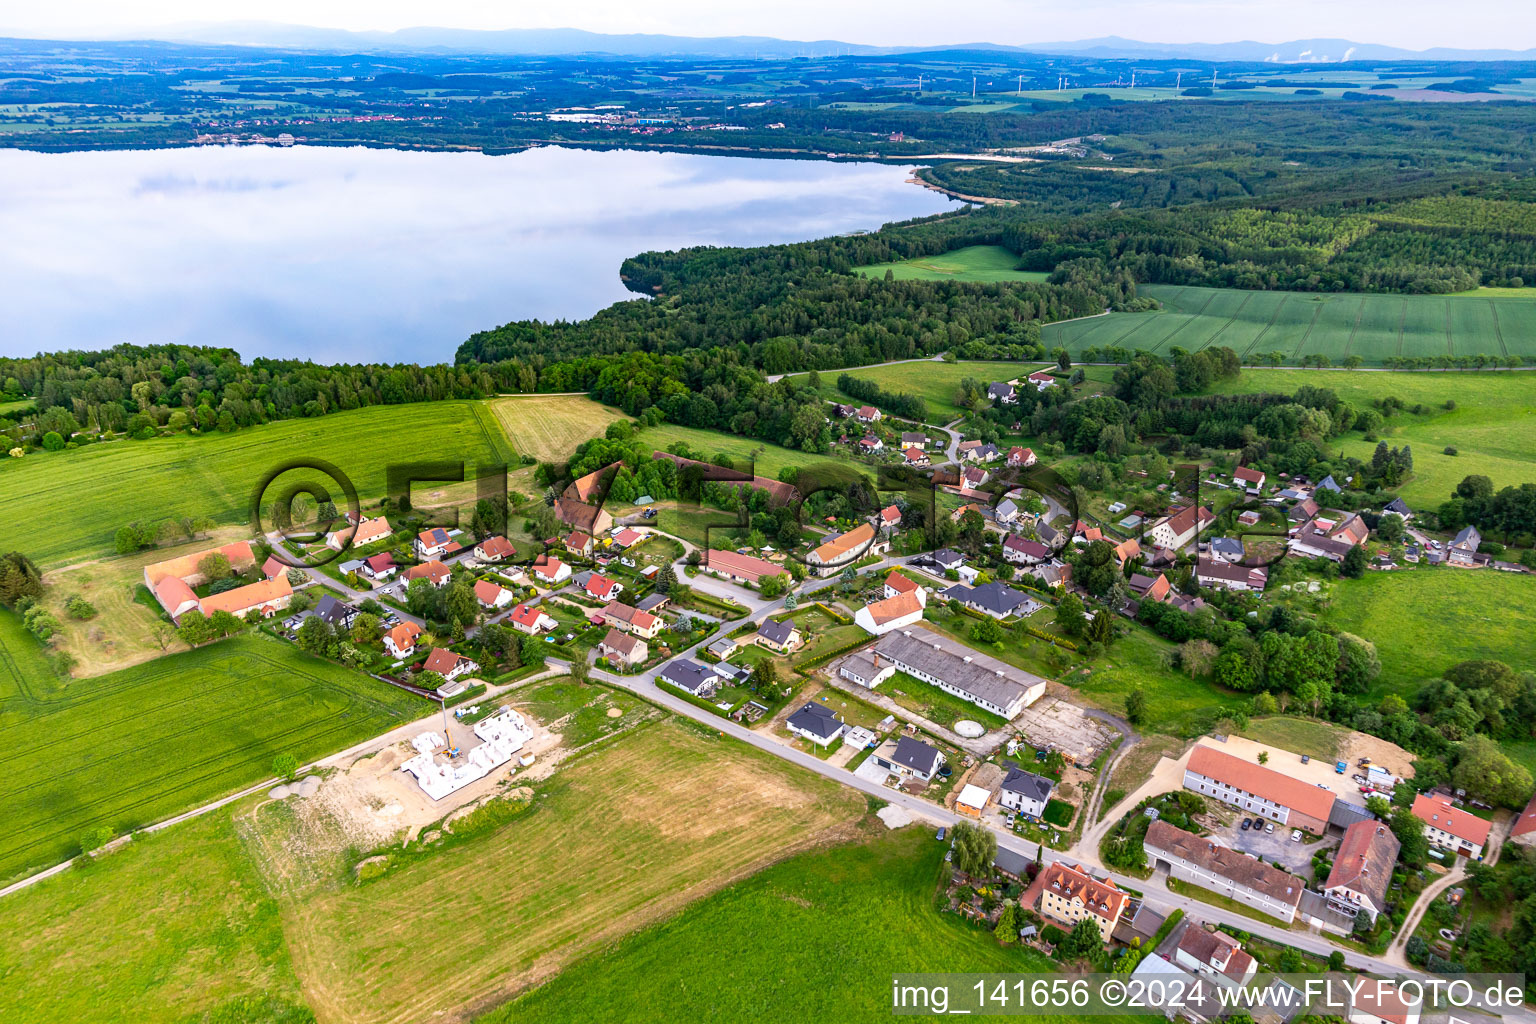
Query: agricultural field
{"x": 127, "y": 749}
{"x": 1423, "y": 621}
{"x": 973, "y": 264}
{"x": 549, "y": 427}
{"x": 174, "y": 927}
{"x": 1492, "y": 428}
{"x": 1301, "y": 324}
{"x": 838, "y": 922}
{"x": 934, "y": 381}
{"x": 621, "y": 839}
{"x": 104, "y": 486}
{"x": 749, "y": 454}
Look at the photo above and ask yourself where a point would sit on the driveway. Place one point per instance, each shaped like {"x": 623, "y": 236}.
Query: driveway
{"x": 1295, "y": 857}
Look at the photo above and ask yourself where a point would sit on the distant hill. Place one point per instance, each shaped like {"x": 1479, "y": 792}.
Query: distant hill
{"x": 570, "y": 41}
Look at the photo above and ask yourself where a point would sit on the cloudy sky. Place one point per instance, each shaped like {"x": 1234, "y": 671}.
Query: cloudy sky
{"x": 1414, "y": 24}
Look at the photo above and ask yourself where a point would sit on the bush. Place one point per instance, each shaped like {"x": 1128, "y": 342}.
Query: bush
{"x": 77, "y": 607}
{"x": 1450, "y": 449}
{"x": 285, "y": 766}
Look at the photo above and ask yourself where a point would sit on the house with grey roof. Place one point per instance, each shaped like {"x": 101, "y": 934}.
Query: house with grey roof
{"x": 995, "y": 599}
{"x": 960, "y": 670}
{"x": 910, "y": 757}
{"x": 1398, "y": 506}
{"x": 1025, "y": 792}
{"x": 1001, "y": 391}
{"x": 338, "y": 613}
{"x": 777, "y": 636}
{"x": 1228, "y": 549}
{"x": 691, "y": 677}
{"x": 816, "y": 723}
{"x": 946, "y": 559}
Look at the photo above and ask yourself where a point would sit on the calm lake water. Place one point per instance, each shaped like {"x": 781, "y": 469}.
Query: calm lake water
{"x": 343, "y": 255}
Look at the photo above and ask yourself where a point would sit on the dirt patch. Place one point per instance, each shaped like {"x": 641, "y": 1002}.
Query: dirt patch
{"x": 615, "y": 712}
{"x": 1389, "y": 755}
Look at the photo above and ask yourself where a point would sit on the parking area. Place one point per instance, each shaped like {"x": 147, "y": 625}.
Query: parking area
{"x": 1274, "y": 846}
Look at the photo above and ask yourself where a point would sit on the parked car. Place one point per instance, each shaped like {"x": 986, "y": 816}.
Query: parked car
{"x": 1306, "y": 758}
{"x": 942, "y": 833}
{"x": 1295, "y": 835}
{"x": 1269, "y": 827}
{"x": 1358, "y": 779}
{"x": 1247, "y": 824}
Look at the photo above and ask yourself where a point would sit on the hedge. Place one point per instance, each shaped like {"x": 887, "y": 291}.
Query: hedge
{"x": 662, "y": 684}
{"x": 804, "y": 667}
{"x": 832, "y": 613}
{"x": 1042, "y": 635}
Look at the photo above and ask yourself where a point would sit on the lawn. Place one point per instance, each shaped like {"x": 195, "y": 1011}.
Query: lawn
{"x": 1299, "y": 324}
{"x": 579, "y": 713}
{"x": 814, "y": 938}
{"x": 935, "y": 704}
{"x": 1298, "y": 735}
{"x": 1176, "y": 703}
{"x": 133, "y": 747}
{"x": 974, "y": 264}
{"x": 65, "y": 507}
{"x": 172, "y": 927}
{"x": 621, "y": 839}
{"x": 1423, "y": 621}
{"x": 1493, "y": 426}
{"x": 749, "y": 455}
{"x": 549, "y": 427}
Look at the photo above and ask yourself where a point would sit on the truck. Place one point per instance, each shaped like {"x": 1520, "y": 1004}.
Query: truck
{"x": 1339, "y": 767}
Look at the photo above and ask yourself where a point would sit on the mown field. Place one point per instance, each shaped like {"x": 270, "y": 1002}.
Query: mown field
{"x": 1426, "y": 620}
{"x": 974, "y": 263}
{"x": 548, "y": 427}
{"x": 1301, "y": 324}
{"x": 749, "y": 454}
{"x": 1492, "y": 428}
{"x": 65, "y": 507}
{"x": 815, "y": 938}
{"x": 129, "y": 748}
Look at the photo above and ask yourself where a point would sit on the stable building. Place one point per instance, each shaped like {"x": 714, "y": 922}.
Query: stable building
{"x": 1206, "y": 863}
{"x": 1259, "y": 790}
{"x": 956, "y": 669}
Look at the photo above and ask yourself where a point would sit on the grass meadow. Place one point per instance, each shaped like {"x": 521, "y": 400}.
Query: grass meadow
{"x": 814, "y": 938}
{"x": 749, "y": 454}
{"x": 549, "y": 427}
{"x": 1300, "y": 324}
{"x": 135, "y": 746}
{"x": 1492, "y": 428}
{"x": 978, "y": 264}
{"x": 65, "y": 507}
{"x": 934, "y": 382}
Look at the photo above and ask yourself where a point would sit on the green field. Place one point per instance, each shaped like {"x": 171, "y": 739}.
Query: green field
{"x": 64, "y": 507}
{"x": 765, "y": 459}
{"x": 815, "y": 938}
{"x": 934, "y": 382}
{"x": 1493, "y": 426}
{"x": 135, "y": 746}
{"x": 1423, "y": 621}
{"x": 974, "y": 263}
{"x": 1301, "y": 324}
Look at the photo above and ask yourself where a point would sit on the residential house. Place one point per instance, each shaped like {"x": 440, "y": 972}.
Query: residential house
{"x": 550, "y": 570}
{"x": 1328, "y": 538}
{"x": 1463, "y": 547}
{"x": 1054, "y": 573}
{"x": 1176, "y": 530}
{"x": 959, "y": 513}
{"x": 1522, "y": 831}
{"x": 868, "y": 414}
{"x": 836, "y": 552}
{"x": 777, "y": 636}
{"x": 947, "y": 559}
{"x": 626, "y": 539}
{"x": 579, "y": 515}
{"x": 1005, "y": 512}
{"x": 724, "y": 648}
{"x": 579, "y": 543}
{"x": 889, "y": 518}
{"x": 494, "y": 549}
{"x": 1082, "y": 533}
{"x": 916, "y": 457}
{"x": 379, "y": 567}
{"x": 602, "y": 588}
{"x": 400, "y": 642}
{"x": 691, "y": 677}
{"x": 957, "y": 669}
{"x": 1378, "y": 1001}
{"x": 896, "y": 583}
{"x": 1021, "y": 458}
{"x": 531, "y": 619}
{"x": 1362, "y": 869}
{"x": 1206, "y": 863}
{"x": 1025, "y": 792}
{"x": 870, "y": 443}
{"x": 1252, "y": 787}
{"x": 369, "y": 531}
{"x": 1068, "y": 894}
{"x": 1020, "y": 551}
{"x": 435, "y": 573}
{"x": 975, "y": 476}
{"x": 266, "y": 597}
{"x": 1126, "y": 550}
{"x": 336, "y": 612}
{"x": 1298, "y": 513}
{"x": 841, "y": 411}
{"x": 1213, "y": 572}
{"x": 741, "y": 568}
{"x": 623, "y": 648}
{"x": 1398, "y": 507}
{"x": 967, "y": 450}
{"x": 448, "y": 664}
{"x": 631, "y": 620}
{"x": 1250, "y": 480}
{"x": 910, "y": 439}
{"x": 909, "y": 758}
{"x": 1002, "y": 393}
{"x": 1214, "y": 954}
{"x": 880, "y": 617}
{"x": 433, "y": 544}
{"x": 493, "y": 596}
{"x": 816, "y": 723}
{"x": 995, "y": 599}
{"x": 989, "y": 453}
{"x": 1146, "y": 588}
{"x": 1327, "y": 483}
{"x": 1451, "y": 828}
{"x": 272, "y": 567}
{"x": 654, "y": 603}
{"x": 1042, "y": 379}
{"x": 1227, "y": 549}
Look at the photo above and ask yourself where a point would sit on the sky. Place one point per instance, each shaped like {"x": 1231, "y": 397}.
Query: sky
{"x": 1414, "y": 24}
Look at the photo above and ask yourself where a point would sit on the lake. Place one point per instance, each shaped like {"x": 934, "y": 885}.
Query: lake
{"x": 376, "y": 255}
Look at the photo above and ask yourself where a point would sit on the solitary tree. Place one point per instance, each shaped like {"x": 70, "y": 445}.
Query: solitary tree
{"x": 975, "y": 848}
{"x": 285, "y": 766}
